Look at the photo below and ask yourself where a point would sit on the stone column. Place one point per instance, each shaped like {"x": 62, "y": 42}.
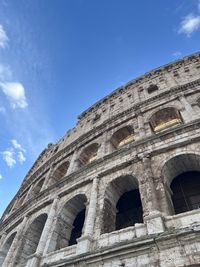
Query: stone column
{"x": 46, "y": 181}
{"x": 151, "y": 213}
{"x": 141, "y": 129}
{"x": 29, "y": 194}
{"x": 189, "y": 113}
{"x": 73, "y": 163}
{"x": 3, "y": 236}
{"x": 16, "y": 245}
{"x": 84, "y": 242}
{"x": 164, "y": 194}
{"x": 102, "y": 148}
{"x": 2, "y": 252}
{"x": 34, "y": 261}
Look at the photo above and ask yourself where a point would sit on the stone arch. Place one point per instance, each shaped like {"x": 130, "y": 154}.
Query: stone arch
{"x": 60, "y": 171}
{"x": 20, "y": 201}
{"x": 170, "y": 156}
{"x": 122, "y": 136}
{"x": 181, "y": 174}
{"x": 122, "y": 204}
{"x": 88, "y": 154}
{"x": 69, "y": 224}
{"x": 165, "y": 118}
{"x": 31, "y": 239}
{"x": 6, "y": 247}
{"x": 37, "y": 187}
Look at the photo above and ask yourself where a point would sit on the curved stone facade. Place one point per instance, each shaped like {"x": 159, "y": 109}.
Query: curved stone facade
{"x": 122, "y": 187}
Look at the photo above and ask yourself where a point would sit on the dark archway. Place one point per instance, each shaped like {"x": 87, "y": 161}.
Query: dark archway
{"x": 77, "y": 227}
{"x": 129, "y": 210}
{"x": 122, "y": 204}
{"x": 186, "y": 192}
{"x": 180, "y": 176}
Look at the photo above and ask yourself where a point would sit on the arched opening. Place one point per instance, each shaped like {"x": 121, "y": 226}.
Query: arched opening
{"x": 69, "y": 225}
{"x": 182, "y": 181}
{"x": 20, "y": 201}
{"x": 60, "y": 172}
{"x": 6, "y": 247}
{"x": 38, "y": 186}
{"x": 122, "y": 137}
{"x": 152, "y": 88}
{"x": 89, "y": 154}
{"x": 122, "y": 205}
{"x": 129, "y": 209}
{"x": 186, "y": 192}
{"x": 77, "y": 227}
{"x": 165, "y": 118}
{"x": 31, "y": 239}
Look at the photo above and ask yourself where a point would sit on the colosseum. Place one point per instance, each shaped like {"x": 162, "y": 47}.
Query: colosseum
{"x": 122, "y": 188}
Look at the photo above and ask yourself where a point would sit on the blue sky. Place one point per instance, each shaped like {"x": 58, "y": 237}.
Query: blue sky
{"x": 59, "y": 57}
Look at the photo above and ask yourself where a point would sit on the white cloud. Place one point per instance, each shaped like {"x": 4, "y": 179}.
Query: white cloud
{"x": 8, "y": 157}
{"x": 1, "y": 177}
{"x": 15, "y": 93}
{"x": 21, "y": 157}
{"x": 189, "y": 24}
{"x": 5, "y": 73}
{"x": 17, "y": 145}
{"x": 3, "y": 37}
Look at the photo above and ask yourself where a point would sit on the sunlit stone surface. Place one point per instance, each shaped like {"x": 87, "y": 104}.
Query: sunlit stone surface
{"x": 122, "y": 188}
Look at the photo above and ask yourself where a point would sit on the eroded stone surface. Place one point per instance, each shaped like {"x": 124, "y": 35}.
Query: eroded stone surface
{"x": 140, "y": 137}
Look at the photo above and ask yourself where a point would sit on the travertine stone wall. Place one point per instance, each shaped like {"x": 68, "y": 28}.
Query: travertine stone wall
{"x": 90, "y": 169}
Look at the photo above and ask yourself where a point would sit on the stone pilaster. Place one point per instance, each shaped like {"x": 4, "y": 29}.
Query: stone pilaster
{"x": 84, "y": 242}
{"x": 189, "y": 113}
{"x": 34, "y": 261}
{"x": 29, "y": 194}
{"x": 141, "y": 127}
{"x": 165, "y": 200}
{"x": 16, "y": 245}
{"x": 73, "y": 163}
{"x": 102, "y": 148}
{"x": 44, "y": 237}
{"x": 46, "y": 181}
{"x": 3, "y": 236}
{"x": 151, "y": 213}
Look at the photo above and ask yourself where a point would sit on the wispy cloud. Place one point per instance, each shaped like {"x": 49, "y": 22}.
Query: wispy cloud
{"x": 15, "y": 93}
{"x": 14, "y": 154}
{"x": 189, "y": 24}
{"x": 16, "y": 145}
{"x": 5, "y": 73}
{"x": 21, "y": 157}
{"x": 8, "y": 157}
{"x": 3, "y": 37}
{"x": 1, "y": 177}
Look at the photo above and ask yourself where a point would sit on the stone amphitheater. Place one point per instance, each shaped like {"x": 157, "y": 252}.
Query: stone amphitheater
{"x": 122, "y": 188}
